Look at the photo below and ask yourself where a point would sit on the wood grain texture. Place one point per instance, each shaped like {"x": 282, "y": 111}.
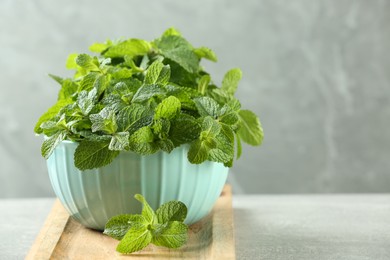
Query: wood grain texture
{"x": 63, "y": 238}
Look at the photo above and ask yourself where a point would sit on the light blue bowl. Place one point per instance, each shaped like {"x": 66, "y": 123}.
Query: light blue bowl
{"x": 93, "y": 196}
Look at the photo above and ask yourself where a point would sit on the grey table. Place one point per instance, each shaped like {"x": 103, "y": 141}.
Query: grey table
{"x": 266, "y": 226}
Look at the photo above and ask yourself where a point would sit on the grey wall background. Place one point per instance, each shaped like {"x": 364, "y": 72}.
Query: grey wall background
{"x": 316, "y": 72}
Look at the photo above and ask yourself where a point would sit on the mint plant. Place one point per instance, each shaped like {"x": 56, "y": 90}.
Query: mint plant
{"x": 164, "y": 227}
{"x": 144, "y": 97}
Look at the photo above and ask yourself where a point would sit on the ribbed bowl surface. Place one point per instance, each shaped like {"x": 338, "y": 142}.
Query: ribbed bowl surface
{"x": 93, "y": 196}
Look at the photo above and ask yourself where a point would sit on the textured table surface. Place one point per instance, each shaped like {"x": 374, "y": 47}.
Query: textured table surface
{"x": 266, "y": 226}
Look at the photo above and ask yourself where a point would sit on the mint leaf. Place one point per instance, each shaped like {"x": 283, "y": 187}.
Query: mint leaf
{"x": 250, "y": 130}
{"x": 71, "y": 61}
{"x": 133, "y": 117}
{"x": 168, "y": 108}
{"x": 157, "y": 73}
{"x": 239, "y": 146}
{"x": 51, "y": 143}
{"x": 136, "y": 239}
{"x": 68, "y": 89}
{"x": 228, "y": 115}
{"x": 86, "y": 101}
{"x": 171, "y": 211}
{"x": 207, "y": 106}
{"x": 177, "y": 49}
{"x": 99, "y": 47}
{"x": 93, "y": 154}
{"x": 51, "y": 113}
{"x": 119, "y": 225}
{"x": 184, "y": 129}
{"x": 172, "y": 234}
{"x": 146, "y": 92}
{"x": 104, "y": 121}
{"x": 165, "y": 145}
{"x": 87, "y": 62}
{"x": 198, "y": 152}
{"x": 119, "y": 141}
{"x": 142, "y": 141}
{"x": 131, "y": 47}
{"x": 203, "y": 84}
{"x": 56, "y": 78}
{"x": 171, "y": 31}
{"x": 224, "y": 150}
{"x": 88, "y": 81}
{"x": 230, "y": 81}
{"x": 147, "y": 211}
{"x": 204, "y": 52}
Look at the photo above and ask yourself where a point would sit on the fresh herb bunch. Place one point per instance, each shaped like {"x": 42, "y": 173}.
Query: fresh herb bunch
{"x": 144, "y": 97}
{"x": 164, "y": 227}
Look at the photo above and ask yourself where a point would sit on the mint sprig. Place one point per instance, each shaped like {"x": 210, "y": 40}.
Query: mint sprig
{"x": 164, "y": 227}
{"x": 144, "y": 97}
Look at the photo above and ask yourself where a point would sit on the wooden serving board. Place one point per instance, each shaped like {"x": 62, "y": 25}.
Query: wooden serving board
{"x": 61, "y": 237}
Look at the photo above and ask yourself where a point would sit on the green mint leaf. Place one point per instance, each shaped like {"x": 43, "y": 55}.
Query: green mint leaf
{"x": 198, "y": 152}
{"x": 157, "y": 73}
{"x": 51, "y": 113}
{"x": 119, "y": 141}
{"x": 93, "y": 154}
{"x": 224, "y": 150}
{"x": 173, "y": 234}
{"x": 88, "y": 81}
{"x": 146, "y": 92}
{"x": 56, "y": 78}
{"x": 165, "y": 145}
{"x": 131, "y": 47}
{"x": 171, "y": 31}
{"x": 207, "y": 106}
{"x": 71, "y": 61}
{"x": 238, "y": 146}
{"x": 118, "y": 226}
{"x": 120, "y": 73}
{"x": 177, "y": 49}
{"x": 136, "y": 239}
{"x": 142, "y": 141}
{"x": 104, "y": 121}
{"x": 228, "y": 115}
{"x": 101, "y": 84}
{"x": 230, "y": 81}
{"x": 203, "y": 83}
{"x": 147, "y": 212}
{"x": 87, "y": 62}
{"x": 169, "y": 108}
{"x": 250, "y": 130}
{"x": 184, "y": 129}
{"x": 99, "y": 47}
{"x": 171, "y": 211}
{"x": 133, "y": 117}
{"x": 161, "y": 128}
{"x": 86, "y": 101}
{"x": 68, "y": 89}
{"x": 51, "y": 143}
{"x": 204, "y": 52}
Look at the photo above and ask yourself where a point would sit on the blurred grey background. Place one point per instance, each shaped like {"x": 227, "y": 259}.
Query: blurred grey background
{"x": 316, "y": 72}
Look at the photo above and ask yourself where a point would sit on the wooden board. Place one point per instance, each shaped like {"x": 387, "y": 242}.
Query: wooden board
{"x": 63, "y": 238}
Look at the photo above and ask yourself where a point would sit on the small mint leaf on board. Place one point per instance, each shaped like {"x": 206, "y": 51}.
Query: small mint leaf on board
{"x": 169, "y": 108}
{"x": 173, "y": 234}
{"x": 51, "y": 143}
{"x": 131, "y": 47}
{"x": 204, "y": 52}
{"x": 93, "y": 154}
{"x": 147, "y": 212}
{"x": 117, "y": 226}
{"x": 250, "y": 130}
{"x": 230, "y": 81}
{"x": 171, "y": 211}
{"x": 136, "y": 239}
